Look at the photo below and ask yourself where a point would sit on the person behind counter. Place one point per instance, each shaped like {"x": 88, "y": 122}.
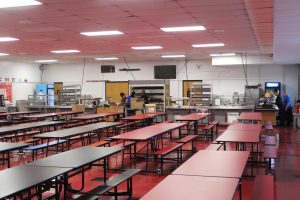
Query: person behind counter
{"x": 288, "y": 109}
{"x": 279, "y": 104}
{"x": 123, "y": 99}
{"x": 145, "y": 97}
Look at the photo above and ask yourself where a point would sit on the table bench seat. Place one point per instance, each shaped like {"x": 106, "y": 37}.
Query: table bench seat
{"x": 214, "y": 147}
{"x": 161, "y": 153}
{"x": 99, "y": 144}
{"x": 112, "y": 184}
{"x": 38, "y": 147}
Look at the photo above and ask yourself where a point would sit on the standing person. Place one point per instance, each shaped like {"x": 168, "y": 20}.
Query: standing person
{"x": 124, "y": 99}
{"x": 280, "y": 106}
{"x": 288, "y": 109}
{"x": 145, "y": 97}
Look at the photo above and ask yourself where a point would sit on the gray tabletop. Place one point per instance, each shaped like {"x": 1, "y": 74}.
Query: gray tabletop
{"x": 71, "y": 132}
{"x": 7, "y": 146}
{"x": 77, "y": 157}
{"x": 23, "y": 177}
{"x": 21, "y": 127}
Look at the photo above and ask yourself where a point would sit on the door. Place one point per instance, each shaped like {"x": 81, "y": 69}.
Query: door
{"x": 187, "y": 84}
{"x": 113, "y": 90}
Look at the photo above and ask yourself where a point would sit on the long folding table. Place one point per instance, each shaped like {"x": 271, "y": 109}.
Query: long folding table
{"x": 12, "y": 114}
{"x": 240, "y": 137}
{"x": 28, "y": 126}
{"x": 177, "y": 187}
{"x": 253, "y": 117}
{"x": 7, "y": 147}
{"x": 143, "y": 117}
{"x": 97, "y": 117}
{"x": 51, "y": 115}
{"x": 193, "y": 118}
{"x": 245, "y": 127}
{"x": 68, "y": 134}
{"x": 20, "y": 180}
{"x": 224, "y": 164}
{"x": 78, "y": 159}
{"x": 152, "y": 135}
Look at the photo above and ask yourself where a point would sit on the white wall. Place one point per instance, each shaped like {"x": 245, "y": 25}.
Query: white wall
{"x": 225, "y": 79}
{"x": 20, "y": 71}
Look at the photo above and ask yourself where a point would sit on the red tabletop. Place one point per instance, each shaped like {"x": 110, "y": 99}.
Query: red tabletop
{"x": 142, "y": 116}
{"x": 215, "y": 163}
{"x": 245, "y": 127}
{"x": 239, "y": 136}
{"x": 193, "y": 117}
{"x": 177, "y": 187}
{"x": 52, "y": 114}
{"x": 95, "y": 116}
{"x": 256, "y": 116}
{"x": 18, "y": 113}
{"x": 148, "y": 132}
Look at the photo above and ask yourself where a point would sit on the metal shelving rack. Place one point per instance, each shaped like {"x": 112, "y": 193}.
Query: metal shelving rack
{"x": 70, "y": 94}
{"x": 201, "y": 94}
{"x": 156, "y": 90}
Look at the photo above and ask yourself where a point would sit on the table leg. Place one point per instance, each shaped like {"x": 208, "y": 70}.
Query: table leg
{"x": 105, "y": 169}
{"x": 8, "y": 159}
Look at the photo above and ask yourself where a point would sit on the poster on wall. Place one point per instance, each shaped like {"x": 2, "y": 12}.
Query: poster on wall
{"x": 6, "y": 89}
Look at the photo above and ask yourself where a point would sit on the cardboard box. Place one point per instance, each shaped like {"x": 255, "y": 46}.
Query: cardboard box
{"x": 150, "y": 108}
{"x": 137, "y": 103}
{"x": 78, "y": 108}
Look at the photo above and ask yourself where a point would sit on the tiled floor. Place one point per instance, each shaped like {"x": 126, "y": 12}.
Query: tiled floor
{"x": 287, "y": 171}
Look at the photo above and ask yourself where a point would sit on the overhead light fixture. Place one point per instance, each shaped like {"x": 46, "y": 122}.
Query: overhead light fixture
{"x": 173, "y": 56}
{"x": 46, "y": 61}
{"x": 183, "y": 28}
{"x": 208, "y": 45}
{"x": 66, "y": 51}
{"x": 101, "y": 33}
{"x": 18, "y": 3}
{"x": 112, "y": 58}
{"x": 222, "y": 54}
{"x": 7, "y": 39}
{"x": 4, "y": 54}
{"x": 146, "y": 47}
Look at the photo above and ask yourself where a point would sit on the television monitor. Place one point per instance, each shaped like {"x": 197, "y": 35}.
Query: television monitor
{"x": 165, "y": 72}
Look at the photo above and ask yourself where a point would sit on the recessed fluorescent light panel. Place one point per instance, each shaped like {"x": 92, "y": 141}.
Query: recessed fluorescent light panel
{"x": 66, "y": 51}
{"x": 7, "y": 39}
{"x": 101, "y": 33}
{"x": 147, "y": 47}
{"x": 208, "y": 45}
{"x": 111, "y": 58}
{"x": 173, "y": 56}
{"x": 4, "y": 54}
{"x": 183, "y": 28}
{"x": 17, "y": 3}
{"x": 46, "y": 61}
{"x": 222, "y": 54}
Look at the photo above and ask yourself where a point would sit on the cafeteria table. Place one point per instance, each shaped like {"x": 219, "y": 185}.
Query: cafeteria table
{"x": 78, "y": 159}
{"x": 51, "y": 115}
{"x": 221, "y": 164}
{"x": 28, "y": 126}
{"x": 22, "y": 179}
{"x": 177, "y": 187}
{"x": 152, "y": 135}
{"x": 143, "y": 117}
{"x": 7, "y": 147}
{"x": 9, "y": 115}
{"x": 193, "y": 118}
{"x": 68, "y": 134}
{"x": 245, "y": 127}
{"x": 253, "y": 117}
{"x": 97, "y": 117}
{"x": 240, "y": 137}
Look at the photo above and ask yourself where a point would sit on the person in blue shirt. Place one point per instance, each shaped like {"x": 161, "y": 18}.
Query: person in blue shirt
{"x": 288, "y": 109}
